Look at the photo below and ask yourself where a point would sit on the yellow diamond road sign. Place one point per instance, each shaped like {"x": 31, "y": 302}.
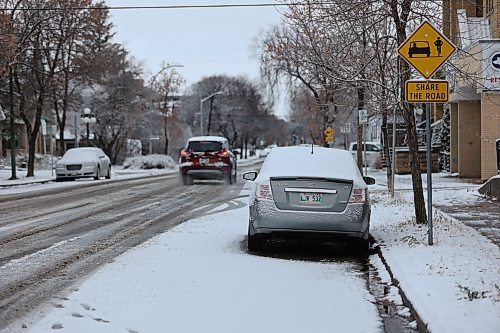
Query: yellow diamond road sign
{"x": 426, "y": 49}
{"x": 329, "y": 131}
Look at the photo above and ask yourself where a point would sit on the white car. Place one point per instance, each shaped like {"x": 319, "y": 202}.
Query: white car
{"x": 264, "y": 152}
{"x": 83, "y": 162}
{"x": 373, "y": 153}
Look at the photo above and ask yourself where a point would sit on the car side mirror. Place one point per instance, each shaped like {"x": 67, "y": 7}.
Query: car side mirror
{"x": 251, "y": 175}
{"x": 369, "y": 180}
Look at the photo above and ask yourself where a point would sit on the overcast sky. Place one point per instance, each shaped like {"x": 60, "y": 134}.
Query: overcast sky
{"x": 205, "y": 41}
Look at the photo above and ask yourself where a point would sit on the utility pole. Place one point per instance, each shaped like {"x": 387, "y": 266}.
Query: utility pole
{"x": 12, "y": 125}
{"x": 202, "y": 100}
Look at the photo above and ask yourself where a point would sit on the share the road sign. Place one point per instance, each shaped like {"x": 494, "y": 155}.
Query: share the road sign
{"x": 432, "y": 91}
{"x": 426, "y": 49}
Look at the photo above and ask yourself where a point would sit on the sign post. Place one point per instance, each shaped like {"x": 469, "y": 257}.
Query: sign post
{"x": 427, "y": 50}
{"x": 329, "y": 136}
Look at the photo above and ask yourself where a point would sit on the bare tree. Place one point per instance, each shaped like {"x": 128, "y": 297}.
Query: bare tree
{"x": 166, "y": 86}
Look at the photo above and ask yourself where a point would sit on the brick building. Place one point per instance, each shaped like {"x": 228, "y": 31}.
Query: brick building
{"x": 474, "y": 26}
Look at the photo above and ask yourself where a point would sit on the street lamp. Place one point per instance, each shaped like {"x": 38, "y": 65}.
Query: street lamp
{"x": 201, "y": 108}
{"x": 88, "y": 118}
{"x": 153, "y": 79}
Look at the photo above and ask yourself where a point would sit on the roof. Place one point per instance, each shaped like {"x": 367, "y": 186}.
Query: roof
{"x": 300, "y": 162}
{"x": 208, "y": 138}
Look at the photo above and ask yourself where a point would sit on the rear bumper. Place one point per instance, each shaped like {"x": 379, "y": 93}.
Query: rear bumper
{"x": 209, "y": 172}
{"x": 206, "y": 173}
{"x": 353, "y": 222}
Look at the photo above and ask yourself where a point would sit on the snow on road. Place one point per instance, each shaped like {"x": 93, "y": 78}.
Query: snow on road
{"x": 199, "y": 278}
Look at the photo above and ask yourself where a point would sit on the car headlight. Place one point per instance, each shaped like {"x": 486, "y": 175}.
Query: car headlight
{"x": 88, "y": 164}
{"x": 60, "y": 165}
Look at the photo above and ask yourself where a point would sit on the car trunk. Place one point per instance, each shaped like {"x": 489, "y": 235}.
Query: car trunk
{"x": 311, "y": 194}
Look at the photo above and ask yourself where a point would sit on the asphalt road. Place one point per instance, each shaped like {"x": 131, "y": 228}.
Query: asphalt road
{"x": 49, "y": 241}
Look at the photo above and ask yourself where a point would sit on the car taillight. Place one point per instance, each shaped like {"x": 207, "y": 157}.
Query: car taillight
{"x": 185, "y": 153}
{"x": 223, "y": 153}
{"x": 357, "y": 196}
{"x": 264, "y": 192}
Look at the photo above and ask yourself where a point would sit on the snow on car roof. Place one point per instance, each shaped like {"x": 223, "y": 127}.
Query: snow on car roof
{"x": 208, "y": 138}
{"x": 299, "y": 162}
{"x": 80, "y": 153}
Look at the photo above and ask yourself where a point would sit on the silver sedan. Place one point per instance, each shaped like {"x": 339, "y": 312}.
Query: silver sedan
{"x": 308, "y": 191}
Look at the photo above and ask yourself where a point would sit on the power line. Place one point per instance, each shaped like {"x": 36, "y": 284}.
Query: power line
{"x": 203, "y": 6}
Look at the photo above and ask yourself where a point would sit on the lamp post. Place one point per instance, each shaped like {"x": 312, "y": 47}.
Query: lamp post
{"x": 88, "y": 118}
{"x": 201, "y": 108}
{"x": 153, "y": 80}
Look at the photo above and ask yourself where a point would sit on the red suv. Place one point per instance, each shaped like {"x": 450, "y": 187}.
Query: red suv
{"x": 207, "y": 157}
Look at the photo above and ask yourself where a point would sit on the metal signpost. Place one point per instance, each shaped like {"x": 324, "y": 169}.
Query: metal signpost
{"x": 363, "y": 120}
{"x": 427, "y": 50}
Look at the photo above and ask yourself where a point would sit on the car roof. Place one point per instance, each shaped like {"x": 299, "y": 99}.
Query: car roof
{"x": 300, "y": 162}
{"x": 367, "y": 142}
{"x": 208, "y": 138}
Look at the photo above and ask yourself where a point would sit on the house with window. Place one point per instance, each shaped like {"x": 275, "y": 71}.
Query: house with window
{"x": 474, "y": 27}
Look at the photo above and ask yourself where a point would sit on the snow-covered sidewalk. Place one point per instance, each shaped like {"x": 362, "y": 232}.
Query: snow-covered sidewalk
{"x": 454, "y": 285}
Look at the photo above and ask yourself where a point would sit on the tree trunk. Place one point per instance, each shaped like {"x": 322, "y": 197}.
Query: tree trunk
{"x": 418, "y": 193}
{"x": 34, "y": 135}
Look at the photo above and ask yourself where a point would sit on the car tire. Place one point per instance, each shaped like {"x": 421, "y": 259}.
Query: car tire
{"x": 229, "y": 178}
{"x": 97, "y": 174}
{"x": 235, "y": 177}
{"x": 187, "y": 180}
{"x": 254, "y": 243}
{"x": 363, "y": 246}
{"x": 108, "y": 176}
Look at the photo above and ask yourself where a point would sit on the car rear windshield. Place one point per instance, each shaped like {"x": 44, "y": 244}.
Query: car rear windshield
{"x": 202, "y": 146}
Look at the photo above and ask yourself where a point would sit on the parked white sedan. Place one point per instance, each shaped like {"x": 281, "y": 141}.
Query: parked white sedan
{"x": 83, "y": 162}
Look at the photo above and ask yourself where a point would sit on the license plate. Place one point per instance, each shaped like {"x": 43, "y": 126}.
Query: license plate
{"x": 203, "y": 160}
{"x": 311, "y": 198}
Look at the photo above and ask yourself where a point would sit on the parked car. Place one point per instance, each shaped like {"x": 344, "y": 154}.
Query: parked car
{"x": 83, "y": 162}
{"x": 322, "y": 196}
{"x": 373, "y": 153}
{"x": 207, "y": 157}
{"x": 264, "y": 152}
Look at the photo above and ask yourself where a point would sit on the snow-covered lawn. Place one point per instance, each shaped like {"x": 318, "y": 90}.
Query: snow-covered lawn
{"x": 454, "y": 285}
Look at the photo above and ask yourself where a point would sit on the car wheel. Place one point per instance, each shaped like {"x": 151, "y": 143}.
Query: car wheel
{"x": 97, "y": 174}
{"x": 362, "y": 246}
{"x": 229, "y": 178}
{"x": 254, "y": 243}
{"x": 108, "y": 176}
{"x": 187, "y": 180}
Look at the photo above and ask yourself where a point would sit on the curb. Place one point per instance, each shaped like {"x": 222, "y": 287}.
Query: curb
{"x": 421, "y": 326}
